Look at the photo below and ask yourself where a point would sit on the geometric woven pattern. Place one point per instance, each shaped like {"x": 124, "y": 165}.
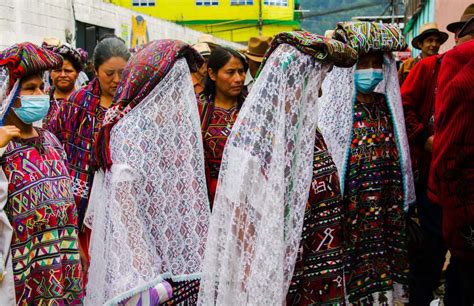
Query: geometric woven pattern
{"x": 365, "y": 37}
{"x": 77, "y": 122}
{"x": 41, "y": 209}
{"x": 376, "y": 249}
{"x": 319, "y": 274}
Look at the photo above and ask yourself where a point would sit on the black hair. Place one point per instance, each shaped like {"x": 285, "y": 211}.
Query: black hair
{"x": 107, "y": 48}
{"x": 76, "y": 64}
{"x": 110, "y": 35}
{"x": 219, "y": 57}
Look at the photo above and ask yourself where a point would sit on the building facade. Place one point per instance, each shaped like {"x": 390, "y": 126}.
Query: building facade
{"x": 443, "y": 12}
{"x": 233, "y": 20}
{"x": 82, "y": 22}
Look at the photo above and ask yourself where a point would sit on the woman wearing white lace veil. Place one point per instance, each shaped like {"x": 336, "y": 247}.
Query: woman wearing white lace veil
{"x": 150, "y": 208}
{"x": 264, "y": 186}
{"x": 362, "y": 121}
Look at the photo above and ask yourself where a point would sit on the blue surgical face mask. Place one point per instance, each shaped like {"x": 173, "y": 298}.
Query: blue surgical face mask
{"x": 366, "y": 80}
{"x": 33, "y": 108}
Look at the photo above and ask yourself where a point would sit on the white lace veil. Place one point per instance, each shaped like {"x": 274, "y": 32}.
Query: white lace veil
{"x": 6, "y": 99}
{"x": 151, "y": 210}
{"x": 336, "y": 119}
{"x": 264, "y": 182}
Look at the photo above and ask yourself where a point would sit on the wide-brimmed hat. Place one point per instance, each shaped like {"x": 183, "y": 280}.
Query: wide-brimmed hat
{"x": 203, "y": 48}
{"x": 208, "y": 39}
{"x": 426, "y": 30}
{"x": 467, "y": 28}
{"x": 52, "y": 41}
{"x": 468, "y": 14}
{"x": 257, "y": 47}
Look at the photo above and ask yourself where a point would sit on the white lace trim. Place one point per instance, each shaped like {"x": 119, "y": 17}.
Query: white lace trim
{"x": 6, "y": 100}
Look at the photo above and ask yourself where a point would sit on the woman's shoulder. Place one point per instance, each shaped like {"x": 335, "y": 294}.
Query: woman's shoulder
{"x": 76, "y": 98}
{"x": 82, "y": 97}
{"x": 79, "y": 94}
{"x": 44, "y": 139}
{"x": 90, "y": 89}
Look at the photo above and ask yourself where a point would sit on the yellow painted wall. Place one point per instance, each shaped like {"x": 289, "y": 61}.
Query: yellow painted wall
{"x": 187, "y": 10}
{"x": 243, "y": 34}
{"x": 218, "y": 20}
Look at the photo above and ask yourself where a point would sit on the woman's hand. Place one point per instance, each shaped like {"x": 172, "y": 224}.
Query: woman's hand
{"x": 7, "y": 133}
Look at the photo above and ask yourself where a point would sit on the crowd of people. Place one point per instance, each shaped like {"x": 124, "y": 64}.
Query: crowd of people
{"x": 304, "y": 170}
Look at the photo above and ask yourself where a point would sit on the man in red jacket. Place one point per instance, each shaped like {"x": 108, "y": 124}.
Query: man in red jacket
{"x": 418, "y": 96}
{"x": 451, "y": 183}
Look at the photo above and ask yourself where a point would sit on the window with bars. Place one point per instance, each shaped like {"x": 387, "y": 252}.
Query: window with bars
{"x": 241, "y": 2}
{"x": 276, "y": 2}
{"x": 207, "y": 2}
{"x": 143, "y": 2}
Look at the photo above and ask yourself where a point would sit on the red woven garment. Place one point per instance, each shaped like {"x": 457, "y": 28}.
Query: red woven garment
{"x": 451, "y": 183}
